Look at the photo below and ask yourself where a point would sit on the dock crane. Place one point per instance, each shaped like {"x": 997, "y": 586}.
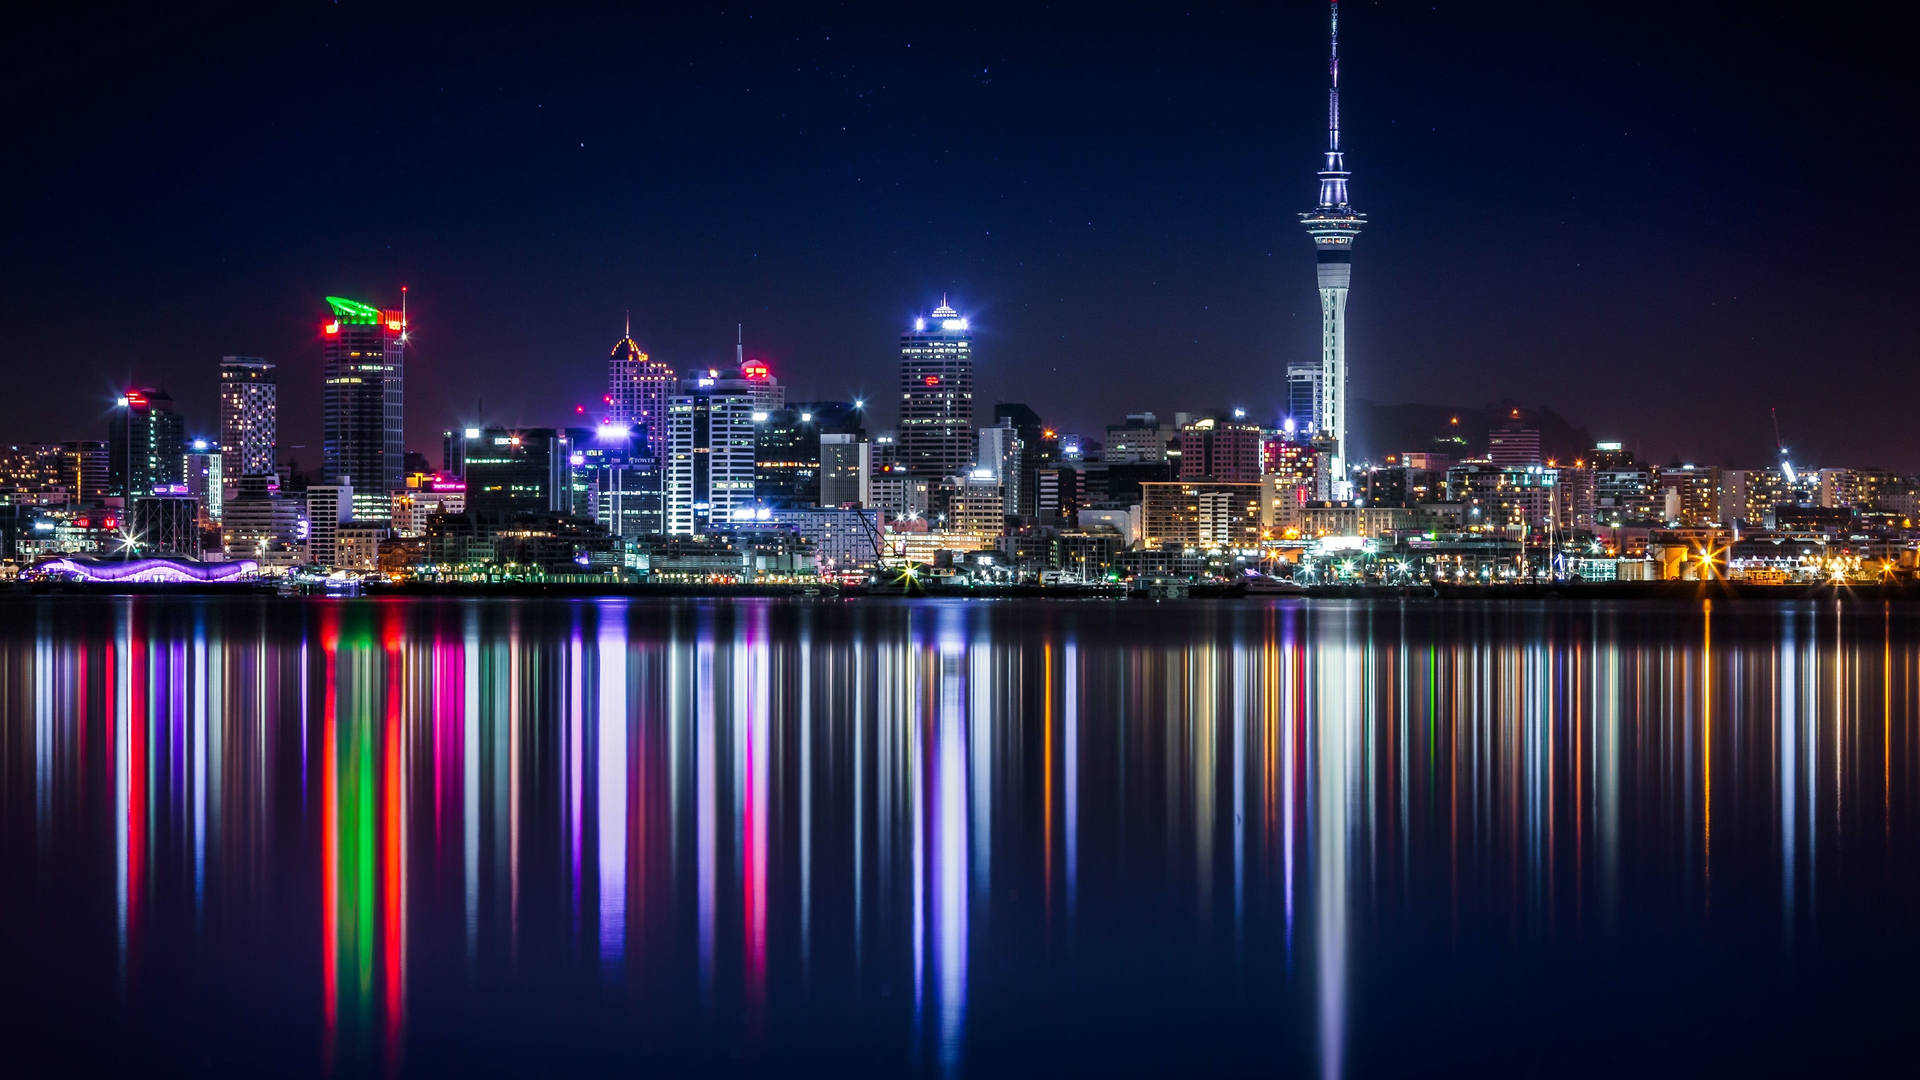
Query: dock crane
{"x": 1786, "y": 467}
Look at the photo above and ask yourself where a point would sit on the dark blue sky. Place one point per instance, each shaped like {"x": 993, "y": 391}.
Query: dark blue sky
{"x": 1659, "y": 220}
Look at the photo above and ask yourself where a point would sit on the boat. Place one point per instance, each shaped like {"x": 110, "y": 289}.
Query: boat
{"x": 1272, "y": 586}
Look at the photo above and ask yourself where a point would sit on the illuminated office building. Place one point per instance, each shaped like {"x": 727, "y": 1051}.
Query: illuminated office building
{"x": 364, "y": 382}
{"x": 638, "y": 387}
{"x": 936, "y": 395}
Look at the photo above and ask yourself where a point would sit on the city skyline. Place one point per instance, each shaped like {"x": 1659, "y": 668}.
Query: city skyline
{"x": 1072, "y": 282}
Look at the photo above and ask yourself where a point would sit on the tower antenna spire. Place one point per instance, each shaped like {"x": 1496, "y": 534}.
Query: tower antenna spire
{"x": 739, "y": 345}
{"x": 629, "y": 324}
{"x": 1333, "y": 78}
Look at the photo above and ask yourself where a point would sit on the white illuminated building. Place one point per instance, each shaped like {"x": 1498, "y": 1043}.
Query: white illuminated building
{"x": 710, "y": 435}
{"x": 1333, "y": 225}
{"x": 936, "y": 394}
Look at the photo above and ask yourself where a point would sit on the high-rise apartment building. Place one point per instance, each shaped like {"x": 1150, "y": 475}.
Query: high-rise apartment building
{"x": 936, "y": 394}
{"x": 364, "y": 373}
{"x": 146, "y": 445}
{"x": 710, "y": 451}
{"x": 638, "y": 387}
{"x": 249, "y": 416}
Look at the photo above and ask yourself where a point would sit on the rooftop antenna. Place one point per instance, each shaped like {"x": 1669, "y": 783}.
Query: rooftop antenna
{"x": 740, "y": 345}
{"x": 629, "y": 324}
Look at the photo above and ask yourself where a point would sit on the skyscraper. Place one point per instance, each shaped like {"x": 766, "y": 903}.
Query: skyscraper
{"x": 710, "y": 451}
{"x": 936, "y": 395}
{"x": 1333, "y": 225}
{"x": 249, "y": 411}
{"x": 638, "y": 387}
{"x": 365, "y": 400}
{"x": 517, "y": 471}
{"x": 146, "y": 445}
{"x": 1303, "y": 395}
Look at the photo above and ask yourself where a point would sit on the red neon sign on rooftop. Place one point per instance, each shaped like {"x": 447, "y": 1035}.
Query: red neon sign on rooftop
{"x": 755, "y": 369}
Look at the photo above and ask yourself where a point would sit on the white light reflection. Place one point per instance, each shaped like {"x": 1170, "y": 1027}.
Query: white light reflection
{"x": 610, "y": 756}
{"x": 1339, "y": 693}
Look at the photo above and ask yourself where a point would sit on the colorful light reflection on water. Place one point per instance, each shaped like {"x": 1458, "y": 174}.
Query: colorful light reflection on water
{"x": 425, "y": 836}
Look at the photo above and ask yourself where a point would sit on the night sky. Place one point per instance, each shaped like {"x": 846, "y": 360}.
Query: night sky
{"x": 1658, "y": 220}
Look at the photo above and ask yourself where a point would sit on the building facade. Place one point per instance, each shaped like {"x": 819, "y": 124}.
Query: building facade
{"x": 710, "y": 452}
{"x": 1200, "y": 514}
{"x": 518, "y": 471}
{"x": 146, "y": 445}
{"x": 638, "y": 387}
{"x": 1214, "y": 449}
{"x": 249, "y": 416}
{"x": 364, "y": 382}
{"x": 936, "y": 395}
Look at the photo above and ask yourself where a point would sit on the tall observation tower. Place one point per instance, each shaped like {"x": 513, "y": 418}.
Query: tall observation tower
{"x": 1333, "y": 225}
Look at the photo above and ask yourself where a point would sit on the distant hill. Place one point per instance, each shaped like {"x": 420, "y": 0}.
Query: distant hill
{"x": 1379, "y": 430}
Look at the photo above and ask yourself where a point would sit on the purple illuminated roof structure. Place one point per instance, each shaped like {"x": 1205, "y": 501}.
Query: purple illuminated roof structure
{"x": 156, "y": 571}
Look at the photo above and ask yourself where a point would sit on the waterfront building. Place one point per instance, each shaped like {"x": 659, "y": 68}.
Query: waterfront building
{"x": 1688, "y": 495}
{"x": 1319, "y": 519}
{"x": 259, "y": 524}
{"x": 363, "y": 355}
{"x": 936, "y": 394}
{"x": 841, "y": 539}
{"x": 1200, "y": 514}
{"x": 249, "y": 416}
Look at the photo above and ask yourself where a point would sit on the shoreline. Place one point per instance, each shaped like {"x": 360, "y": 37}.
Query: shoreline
{"x": 1657, "y": 590}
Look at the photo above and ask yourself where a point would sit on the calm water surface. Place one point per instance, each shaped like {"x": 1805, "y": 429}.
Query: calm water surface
{"x": 948, "y": 837}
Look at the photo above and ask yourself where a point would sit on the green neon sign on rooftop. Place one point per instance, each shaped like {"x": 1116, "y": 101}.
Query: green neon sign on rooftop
{"x": 353, "y": 311}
